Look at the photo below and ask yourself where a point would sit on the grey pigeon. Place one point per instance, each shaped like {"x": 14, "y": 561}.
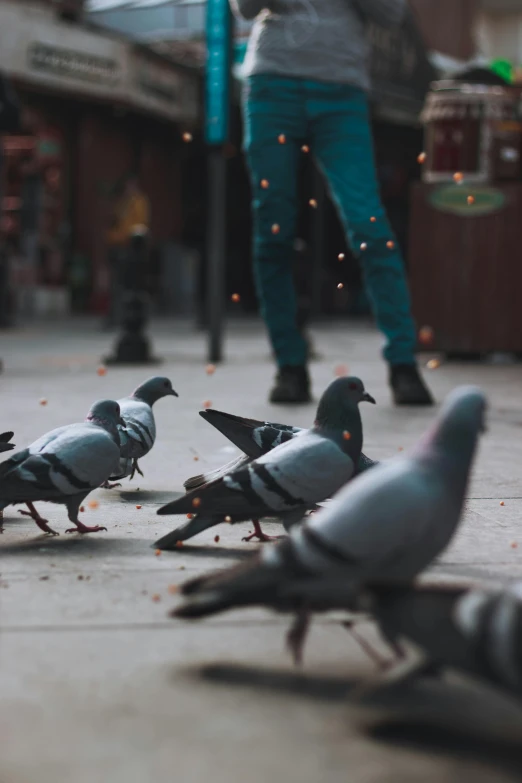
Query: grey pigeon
{"x": 476, "y": 631}
{"x": 386, "y": 527}
{"x": 254, "y": 438}
{"x": 5, "y": 437}
{"x": 287, "y": 481}
{"x": 138, "y": 433}
{"x": 64, "y": 466}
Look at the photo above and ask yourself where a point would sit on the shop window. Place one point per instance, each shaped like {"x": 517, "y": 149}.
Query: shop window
{"x": 32, "y": 209}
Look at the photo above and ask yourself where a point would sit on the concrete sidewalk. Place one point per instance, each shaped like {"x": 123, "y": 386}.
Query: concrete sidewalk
{"x": 96, "y": 683}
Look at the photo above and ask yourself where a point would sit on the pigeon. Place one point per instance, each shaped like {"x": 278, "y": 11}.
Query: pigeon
{"x": 5, "y": 437}
{"x": 288, "y": 480}
{"x": 138, "y": 433}
{"x": 386, "y": 527}
{"x": 64, "y": 465}
{"x": 477, "y": 631}
{"x": 254, "y": 438}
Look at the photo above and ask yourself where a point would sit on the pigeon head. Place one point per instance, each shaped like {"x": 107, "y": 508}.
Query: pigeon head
{"x": 106, "y": 414}
{"x": 463, "y": 416}
{"x": 154, "y": 389}
{"x": 457, "y": 429}
{"x": 339, "y": 401}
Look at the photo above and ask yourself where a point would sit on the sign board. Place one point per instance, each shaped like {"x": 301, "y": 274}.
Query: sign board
{"x": 39, "y": 49}
{"x": 63, "y": 62}
{"x": 158, "y": 86}
{"x": 217, "y": 79}
{"x": 467, "y": 201}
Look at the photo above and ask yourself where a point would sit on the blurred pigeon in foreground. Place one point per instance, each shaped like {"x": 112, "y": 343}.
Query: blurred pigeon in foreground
{"x": 138, "y": 434}
{"x": 386, "y": 527}
{"x": 64, "y": 465}
{"x": 287, "y": 481}
{"x": 5, "y": 437}
{"x": 254, "y": 438}
{"x": 477, "y": 631}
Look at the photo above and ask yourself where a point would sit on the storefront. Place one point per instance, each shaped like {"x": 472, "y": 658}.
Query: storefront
{"x": 95, "y": 108}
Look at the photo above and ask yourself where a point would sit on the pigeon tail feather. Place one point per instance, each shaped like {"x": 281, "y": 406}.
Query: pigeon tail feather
{"x": 184, "y": 505}
{"x": 203, "y": 479}
{"x": 188, "y": 530}
{"x": 238, "y": 430}
{"x": 254, "y": 583}
{"x": 5, "y": 437}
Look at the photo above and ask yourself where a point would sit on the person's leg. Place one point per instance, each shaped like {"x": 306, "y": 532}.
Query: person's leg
{"x": 340, "y": 136}
{"x": 274, "y": 121}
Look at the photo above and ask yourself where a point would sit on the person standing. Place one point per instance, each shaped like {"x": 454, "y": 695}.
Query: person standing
{"x": 307, "y": 84}
{"x": 131, "y": 214}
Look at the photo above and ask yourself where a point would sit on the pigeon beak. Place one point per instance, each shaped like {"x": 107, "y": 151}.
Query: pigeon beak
{"x": 368, "y": 398}
{"x": 122, "y": 422}
{"x": 173, "y": 393}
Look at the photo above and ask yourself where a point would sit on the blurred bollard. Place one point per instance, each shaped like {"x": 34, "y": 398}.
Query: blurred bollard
{"x": 133, "y": 346}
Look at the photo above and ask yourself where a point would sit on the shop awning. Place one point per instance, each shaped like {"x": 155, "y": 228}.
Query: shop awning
{"x": 39, "y": 50}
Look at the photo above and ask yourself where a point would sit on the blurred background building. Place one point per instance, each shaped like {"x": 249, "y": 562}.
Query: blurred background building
{"x": 115, "y": 86}
{"x": 97, "y": 107}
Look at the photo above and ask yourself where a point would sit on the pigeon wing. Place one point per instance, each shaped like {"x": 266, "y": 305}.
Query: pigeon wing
{"x": 78, "y": 460}
{"x": 253, "y": 437}
{"x": 382, "y": 526}
{"x": 139, "y": 435}
{"x": 301, "y": 472}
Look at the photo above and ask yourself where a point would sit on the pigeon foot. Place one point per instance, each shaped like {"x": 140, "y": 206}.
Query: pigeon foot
{"x": 42, "y": 523}
{"x": 81, "y": 528}
{"x": 383, "y": 664}
{"x": 135, "y": 469}
{"x": 108, "y": 485}
{"x": 259, "y": 535}
{"x": 297, "y": 634}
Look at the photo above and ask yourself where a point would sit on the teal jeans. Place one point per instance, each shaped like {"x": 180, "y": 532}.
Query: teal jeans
{"x": 333, "y": 119}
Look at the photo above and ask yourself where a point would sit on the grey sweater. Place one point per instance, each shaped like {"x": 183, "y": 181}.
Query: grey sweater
{"x": 314, "y": 39}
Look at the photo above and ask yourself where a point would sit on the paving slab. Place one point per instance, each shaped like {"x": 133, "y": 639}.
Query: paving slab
{"x": 96, "y": 682}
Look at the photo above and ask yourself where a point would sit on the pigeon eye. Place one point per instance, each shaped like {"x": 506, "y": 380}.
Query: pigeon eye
{"x": 353, "y": 386}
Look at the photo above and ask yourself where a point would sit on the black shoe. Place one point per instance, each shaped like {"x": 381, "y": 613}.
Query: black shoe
{"x": 292, "y": 385}
{"x": 408, "y": 388}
